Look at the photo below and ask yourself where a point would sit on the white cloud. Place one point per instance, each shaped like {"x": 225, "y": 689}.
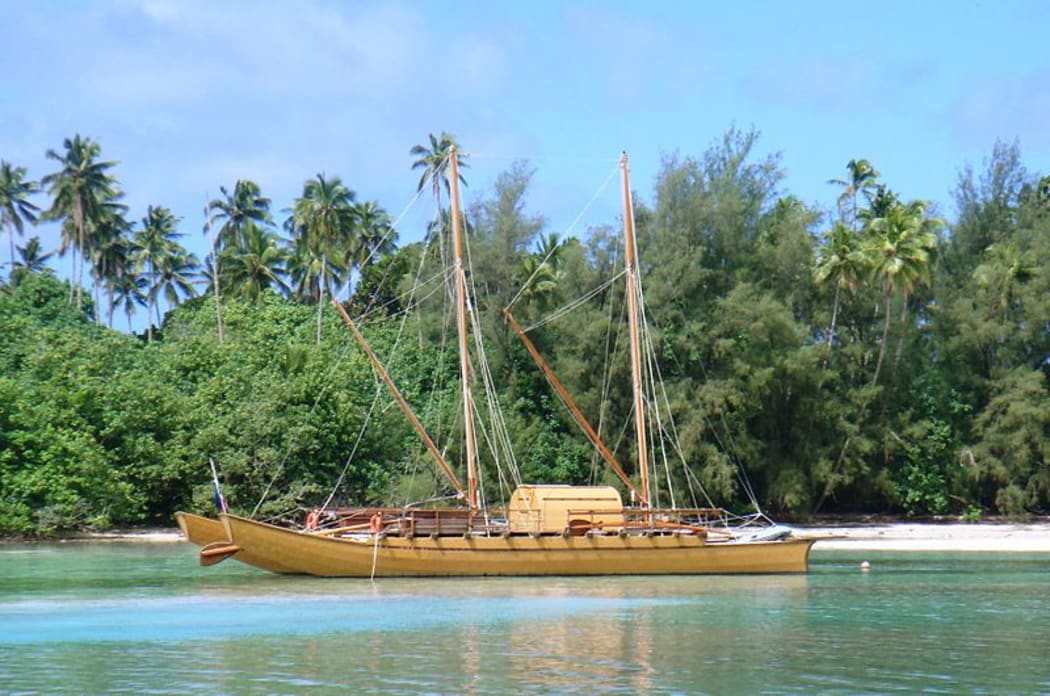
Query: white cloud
{"x": 162, "y": 11}
{"x": 168, "y": 51}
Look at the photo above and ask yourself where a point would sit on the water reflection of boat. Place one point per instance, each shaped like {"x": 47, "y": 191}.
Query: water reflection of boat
{"x": 544, "y": 529}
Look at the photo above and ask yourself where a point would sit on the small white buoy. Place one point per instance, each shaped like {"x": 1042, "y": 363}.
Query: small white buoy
{"x": 865, "y": 566}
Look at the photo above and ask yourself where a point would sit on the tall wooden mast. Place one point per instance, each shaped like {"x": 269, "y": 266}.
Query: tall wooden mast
{"x": 396, "y": 393}
{"x": 635, "y": 332}
{"x": 461, "y": 326}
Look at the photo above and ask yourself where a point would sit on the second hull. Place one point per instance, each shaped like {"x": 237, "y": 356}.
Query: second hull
{"x": 201, "y": 530}
{"x": 287, "y": 551}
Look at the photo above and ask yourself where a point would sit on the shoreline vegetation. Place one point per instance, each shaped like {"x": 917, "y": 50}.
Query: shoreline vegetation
{"x": 852, "y": 355}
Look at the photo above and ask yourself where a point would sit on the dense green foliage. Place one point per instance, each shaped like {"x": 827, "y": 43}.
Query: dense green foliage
{"x": 871, "y": 358}
{"x": 99, "y": 428}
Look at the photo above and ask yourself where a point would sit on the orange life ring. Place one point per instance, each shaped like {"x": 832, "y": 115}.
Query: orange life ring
{"x": 376, "y": 523}
{"x": 312, "y": 518}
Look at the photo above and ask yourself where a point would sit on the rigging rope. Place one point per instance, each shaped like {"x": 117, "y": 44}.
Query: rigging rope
{"x": 500, "y": 431}
{"x": 328, "y": 382}
{"x": 382, "y": 242}
{"x": 656, "y": 387}
{"x": 357, "y": 442}
{"x": 565, "y": 309}
{"x": 411, "y": 300}
{"x": 611, "y": 343}
{"x": 288, "y": 449}
{"x": 372, "y": 311}
{"x": 565, "y": 235}
{"x": 657, "y": 409}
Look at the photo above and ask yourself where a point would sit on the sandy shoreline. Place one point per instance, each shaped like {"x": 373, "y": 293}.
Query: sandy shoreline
{"x": 898, "y": 536}
{"x": 904, "y": 536}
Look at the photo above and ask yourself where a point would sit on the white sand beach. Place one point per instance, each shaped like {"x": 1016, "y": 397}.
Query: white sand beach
{"x": 984, "y": 536}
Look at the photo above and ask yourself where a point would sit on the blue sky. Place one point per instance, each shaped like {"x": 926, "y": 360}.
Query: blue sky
{"x": 188, "y": 96}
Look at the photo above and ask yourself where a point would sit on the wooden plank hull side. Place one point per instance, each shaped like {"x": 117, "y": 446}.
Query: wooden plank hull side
{"x": 201, "y": 530}
{"x": 287, "y": 551}
{"x": 250, "y": 557}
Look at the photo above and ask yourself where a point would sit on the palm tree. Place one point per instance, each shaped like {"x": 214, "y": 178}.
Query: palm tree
{"x": 245, "y": 206}
{"x": 901, "y": 250}
{"x": 175, "y": 273}
{"x": 111, "y": 253}
{"x": 236, "y": 211}
{"x": 374, "y": 238}
{"x": 151, "y": 246}
{"x": 210, "y": 272}
{"x": 129, "y": 291}
{"x": 861, "y": 180}
{"x": 540, "y": 273}
{"x": 441, "y": 227}
{"x": 321, "y": 222}
{"x": 538, "y": 279}
{"x": 880, "y": 203}
{"x": 114, "y": 255}
{"x": 78, "y": 190}
{"x": 15, "y": 207}
{"x": 375, "y": 235}
{"x": 256, "y": 265}
{"x": 29, "y": 260}
{"x": 1003, "y": 268}
{"x": 205, "y": 277}
{"x": 842, "y": 262}
{"x": 433, "y": 160}
{"x": 304, "y": 272}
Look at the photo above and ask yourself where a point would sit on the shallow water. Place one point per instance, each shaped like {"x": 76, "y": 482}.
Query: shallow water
{"x": 144, "y": 618}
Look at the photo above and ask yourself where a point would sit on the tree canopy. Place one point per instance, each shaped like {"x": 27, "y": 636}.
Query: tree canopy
{"x": 863, "y": 357}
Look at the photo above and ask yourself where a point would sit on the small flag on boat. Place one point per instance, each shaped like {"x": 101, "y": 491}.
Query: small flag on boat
{"x": 218, "y": 498}
{"x": 220, "y": 501}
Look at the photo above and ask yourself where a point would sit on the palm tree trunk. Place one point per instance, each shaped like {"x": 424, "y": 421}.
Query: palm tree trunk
{"x": 834, "y": 314}
{"x": 72, "y": 273}
{"x": 882, "y": 347}
{"x": 216, "y": 283}
{"x": 900, "y": 339}
{"x": 320, "y": 293}
{"x": 218, "y": 313}
{"x": 831, "y": 328}
{"x": 156, "y": 308}
{"x": 111, "y": 305}
{"x": 149, "y": 307}
{"x": 11, "y": 236}
{"x": 78, "y": 219}
{"x": 156, "y": 291}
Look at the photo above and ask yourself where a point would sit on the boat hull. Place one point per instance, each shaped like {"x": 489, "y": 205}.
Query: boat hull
{"x": 213, "y": 537}
{"x": 287, "y": 551}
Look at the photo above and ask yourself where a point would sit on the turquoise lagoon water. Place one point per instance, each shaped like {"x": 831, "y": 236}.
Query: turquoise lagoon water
{"x": 144, "y": 618}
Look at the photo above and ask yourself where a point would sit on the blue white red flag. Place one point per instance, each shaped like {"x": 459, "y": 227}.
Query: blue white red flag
{"x": 220, "y": 501}
{"x": 218, "y": 498}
